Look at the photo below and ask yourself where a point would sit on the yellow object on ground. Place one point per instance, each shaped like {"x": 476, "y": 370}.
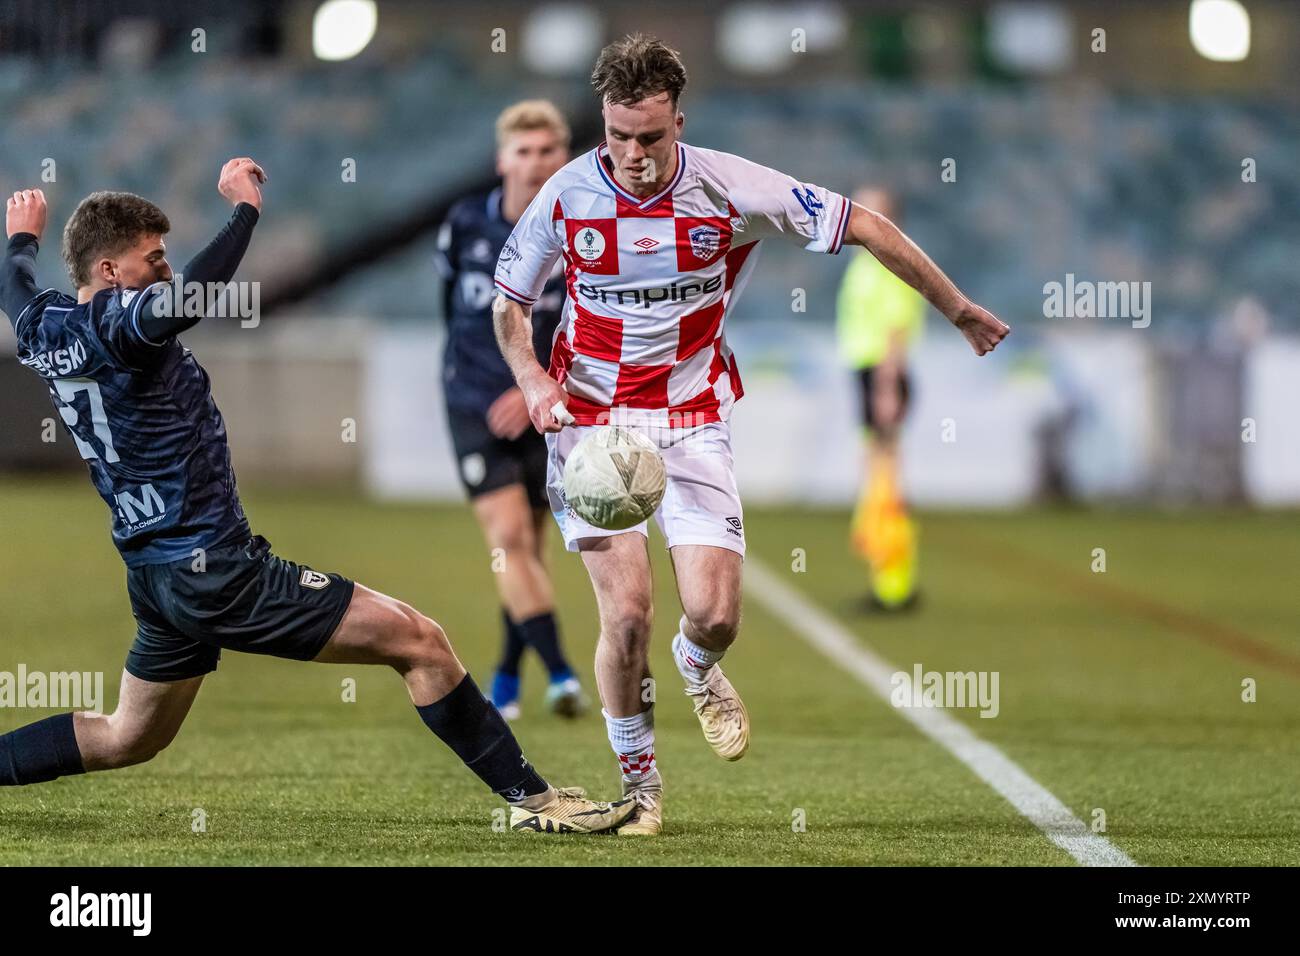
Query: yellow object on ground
{"x": 886, "y": 537}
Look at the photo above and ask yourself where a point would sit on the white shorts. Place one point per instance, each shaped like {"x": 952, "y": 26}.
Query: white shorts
{"x": 701, "y": 503}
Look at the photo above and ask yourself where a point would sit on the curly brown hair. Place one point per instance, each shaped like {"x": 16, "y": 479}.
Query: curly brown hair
{"x": 635, "y": 67}
{"x": 106, "y": 224}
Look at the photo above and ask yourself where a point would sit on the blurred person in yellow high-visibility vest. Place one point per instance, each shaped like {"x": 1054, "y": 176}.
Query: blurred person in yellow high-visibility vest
{"x": 878, "y": 318}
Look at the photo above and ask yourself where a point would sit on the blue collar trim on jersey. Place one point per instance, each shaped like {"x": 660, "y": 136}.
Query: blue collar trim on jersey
{"x": 602, "y": 151}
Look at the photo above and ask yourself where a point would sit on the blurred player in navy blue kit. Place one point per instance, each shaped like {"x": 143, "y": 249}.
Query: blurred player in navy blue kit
{"x": 139, "y": 408}
{"x": 501, "y": 458}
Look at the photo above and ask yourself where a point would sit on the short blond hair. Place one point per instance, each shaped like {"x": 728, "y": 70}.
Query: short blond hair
{"x": 529, "y": 115}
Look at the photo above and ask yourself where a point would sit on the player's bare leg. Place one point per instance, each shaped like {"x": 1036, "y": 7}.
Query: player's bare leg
{"x": 378, "y": 629}
{"x": 565, "y": 695}
{"x": 512, "y": 528}
{"x": 708, "y": 583}
{"x": 146, "y": 720}
{"x": 508, "y": 524}
{"x": 619, "y": 567}
{"x": 148, "y": 716}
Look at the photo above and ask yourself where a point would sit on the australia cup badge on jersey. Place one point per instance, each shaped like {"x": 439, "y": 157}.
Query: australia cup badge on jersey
{"x": 704, "y": 241}
{"x": 589, "y": 244}
{"x": 593, "y": 245}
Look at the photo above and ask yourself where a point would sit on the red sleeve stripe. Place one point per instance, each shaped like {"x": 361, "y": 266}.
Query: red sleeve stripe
{"x": 842, "y": 226}
{"x": 517, "y": 296}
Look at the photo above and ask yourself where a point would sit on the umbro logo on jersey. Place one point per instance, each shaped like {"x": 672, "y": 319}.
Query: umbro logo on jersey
{"x": 313, "y": 579}
{"x": 647, "y": 246}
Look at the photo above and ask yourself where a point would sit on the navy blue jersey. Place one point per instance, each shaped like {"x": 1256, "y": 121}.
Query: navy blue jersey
{"x": 474, "y": 374}
{"x": 142, "y": 416}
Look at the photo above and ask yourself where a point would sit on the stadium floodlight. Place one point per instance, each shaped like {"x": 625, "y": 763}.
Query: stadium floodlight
{"x": 759, "y": 38}
{"x": 1031, "y": 37}
{"x": 342, "y": 28}
{"x": 562, "y": 39}
{"x": 1220, "y": 30}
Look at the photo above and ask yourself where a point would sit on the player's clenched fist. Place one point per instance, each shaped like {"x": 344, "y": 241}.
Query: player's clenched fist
{"x": 26, "y": 212}
{"x": 983, "y": 329}
{"x": 240, "y": 182}
{"x": 543, "y": 394}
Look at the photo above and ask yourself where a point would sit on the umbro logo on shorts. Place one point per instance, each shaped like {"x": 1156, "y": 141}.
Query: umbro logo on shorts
{"x": 313, "y": 579}
{"x": 735, "y": 528}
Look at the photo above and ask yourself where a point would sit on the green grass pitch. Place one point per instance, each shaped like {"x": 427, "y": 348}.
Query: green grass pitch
{"x": 1119, "y": 691}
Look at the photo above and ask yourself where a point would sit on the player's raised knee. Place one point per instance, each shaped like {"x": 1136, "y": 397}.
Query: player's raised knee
{"x": 128, "y": 748}
{"x": 716, "y": 624}
{"x": 426, "y": 643}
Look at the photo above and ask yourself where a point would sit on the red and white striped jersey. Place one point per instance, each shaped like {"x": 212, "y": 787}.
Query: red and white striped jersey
{"x": 651, "y": 281}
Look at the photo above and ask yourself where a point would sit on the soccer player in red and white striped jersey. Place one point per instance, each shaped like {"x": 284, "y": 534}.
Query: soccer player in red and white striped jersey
{"x": 657, "y": 239}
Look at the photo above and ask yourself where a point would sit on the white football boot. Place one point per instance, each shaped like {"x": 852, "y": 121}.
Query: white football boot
{"x": 648, "y": 817}
{"x": 569, "y": 811}
{"x": 722, "y": 714}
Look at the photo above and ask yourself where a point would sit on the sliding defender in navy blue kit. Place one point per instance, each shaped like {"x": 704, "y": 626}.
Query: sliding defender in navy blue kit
{"x": 139, "y": 407}
{"x": 500, "y": 457}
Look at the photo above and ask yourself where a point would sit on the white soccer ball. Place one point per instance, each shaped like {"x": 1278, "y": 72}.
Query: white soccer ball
{"x": 614, "y": 478}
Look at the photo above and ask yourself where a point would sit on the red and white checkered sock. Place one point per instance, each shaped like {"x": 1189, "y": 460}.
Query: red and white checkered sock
{"x": 693, "y": 661}
{"x": 633, "y": 740}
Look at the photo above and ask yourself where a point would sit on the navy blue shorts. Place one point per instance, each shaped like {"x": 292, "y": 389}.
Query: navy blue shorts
{"x": 241, "y": 597}
{"x": 486, "y": 462}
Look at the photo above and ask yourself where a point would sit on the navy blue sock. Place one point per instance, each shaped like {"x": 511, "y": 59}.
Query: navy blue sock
{"x": 39, "y": 752}
{"x": 543, "y": 636}
{"x": 477, "y": 733}
{"x": 512, "y": 648}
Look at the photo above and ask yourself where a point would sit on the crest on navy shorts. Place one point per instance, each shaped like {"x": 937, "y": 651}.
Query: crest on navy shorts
{"x": 313, "y": 579}
{"x": 704, "y": 241}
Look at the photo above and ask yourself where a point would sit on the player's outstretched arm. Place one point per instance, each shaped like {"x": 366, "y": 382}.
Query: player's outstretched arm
{"x": 513, "y": 324}
{"x": 901, "y": 256}
{"x": 240, "y": 182}
{"x": 25, "y": 216}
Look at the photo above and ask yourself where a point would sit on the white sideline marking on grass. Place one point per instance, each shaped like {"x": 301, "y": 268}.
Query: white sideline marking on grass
{"x": 1027, "y": 795}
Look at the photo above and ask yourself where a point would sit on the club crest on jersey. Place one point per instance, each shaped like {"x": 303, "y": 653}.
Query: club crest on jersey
{"x": 589, "y": 244}
{"x": 313, "y": 579}
{"x": 704, "y": 241}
